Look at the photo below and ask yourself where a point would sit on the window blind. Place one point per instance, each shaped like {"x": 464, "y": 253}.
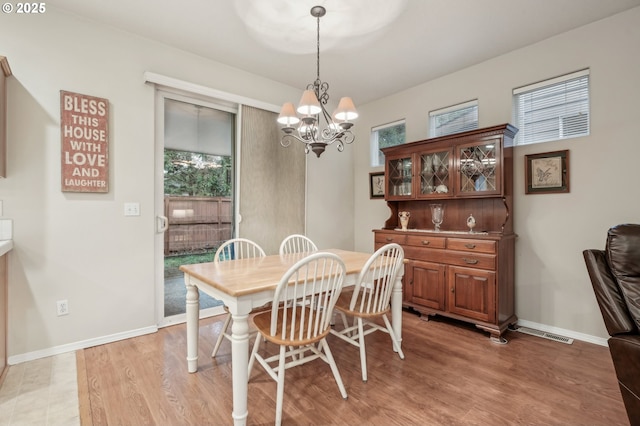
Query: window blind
{"x": 453, "y": 119}
{"x": 552, "y": 109}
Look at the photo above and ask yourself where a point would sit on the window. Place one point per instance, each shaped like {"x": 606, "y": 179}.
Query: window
{"x": 552, "y": 109}
{"x": 453, "y": 119}
{"x": 384, "y": 136}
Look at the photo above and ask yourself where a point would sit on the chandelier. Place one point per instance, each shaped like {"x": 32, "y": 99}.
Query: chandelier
{"x": 307, "y": 129}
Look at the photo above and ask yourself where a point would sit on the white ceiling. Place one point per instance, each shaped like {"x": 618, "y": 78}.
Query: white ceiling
{"x": 428, "y": 39}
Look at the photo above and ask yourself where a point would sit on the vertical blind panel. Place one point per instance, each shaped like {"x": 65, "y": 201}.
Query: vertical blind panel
{"x": 272, "y": 182}
{"x": 554, "y": 112}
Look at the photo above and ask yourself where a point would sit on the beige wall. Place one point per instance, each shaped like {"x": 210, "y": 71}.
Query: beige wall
{"x": 552, "y": 286}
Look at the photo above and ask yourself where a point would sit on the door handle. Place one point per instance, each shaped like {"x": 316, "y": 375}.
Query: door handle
{"x": 162, "y": 224}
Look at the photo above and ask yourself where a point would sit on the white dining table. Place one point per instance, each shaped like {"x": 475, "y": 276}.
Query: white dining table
{"x": 245, "y": 284}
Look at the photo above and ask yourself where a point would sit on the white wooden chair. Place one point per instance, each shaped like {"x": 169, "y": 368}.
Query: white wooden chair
{"x": 235, "y": 248}
{"x": 369, "y": 300}
{"x": 298, "y": 320}
{"x": 297, "y": 243}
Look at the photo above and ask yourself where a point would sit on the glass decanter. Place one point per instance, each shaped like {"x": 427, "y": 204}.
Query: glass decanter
{"x": 437, "y": 215}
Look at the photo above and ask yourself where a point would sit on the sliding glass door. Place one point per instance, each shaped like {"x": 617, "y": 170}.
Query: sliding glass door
{"x": 195, "y": 190}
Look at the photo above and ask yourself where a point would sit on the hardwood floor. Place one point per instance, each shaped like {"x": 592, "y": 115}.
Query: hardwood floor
{"x": 452, "y": 375}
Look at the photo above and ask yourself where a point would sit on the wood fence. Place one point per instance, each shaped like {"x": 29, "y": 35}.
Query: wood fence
{"x": 196, "y": 223}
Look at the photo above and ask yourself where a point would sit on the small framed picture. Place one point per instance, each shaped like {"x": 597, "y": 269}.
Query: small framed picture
{"x": 376, "y": 185}
{"x": 547, "y": 172}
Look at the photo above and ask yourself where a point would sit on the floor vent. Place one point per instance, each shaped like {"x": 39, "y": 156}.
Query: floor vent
{"x": 545, "y": 335}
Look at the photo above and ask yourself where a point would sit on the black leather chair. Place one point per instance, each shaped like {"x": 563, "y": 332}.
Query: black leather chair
{"x": 615, "y": 276}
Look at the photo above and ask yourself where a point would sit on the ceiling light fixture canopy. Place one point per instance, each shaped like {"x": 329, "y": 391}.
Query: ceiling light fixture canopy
{"x": 306, "y": 128}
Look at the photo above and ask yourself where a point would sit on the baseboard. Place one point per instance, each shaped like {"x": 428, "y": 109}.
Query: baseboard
{"x": 56, "y": 350}
{"x": 71, "y": 347}
{"x": 562, "y": 332}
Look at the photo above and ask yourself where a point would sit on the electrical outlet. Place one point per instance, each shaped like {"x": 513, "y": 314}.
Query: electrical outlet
{"x": 63, "y": 307}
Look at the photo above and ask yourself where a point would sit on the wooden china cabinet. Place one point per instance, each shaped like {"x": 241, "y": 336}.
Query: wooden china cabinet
{"x": 454, "y": 272}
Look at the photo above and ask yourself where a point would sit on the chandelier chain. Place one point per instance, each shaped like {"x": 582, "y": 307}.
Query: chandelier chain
{"x": 318, "y": 50}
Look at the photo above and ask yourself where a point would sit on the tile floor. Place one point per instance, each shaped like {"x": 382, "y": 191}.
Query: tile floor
{"x": 43, "y": 392}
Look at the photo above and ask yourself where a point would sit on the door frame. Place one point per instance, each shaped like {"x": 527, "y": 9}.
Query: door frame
{"x": 164, "y": 86}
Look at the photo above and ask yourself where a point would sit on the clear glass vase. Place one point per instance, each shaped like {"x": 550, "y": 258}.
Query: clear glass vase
{"x": 437, "y": 215}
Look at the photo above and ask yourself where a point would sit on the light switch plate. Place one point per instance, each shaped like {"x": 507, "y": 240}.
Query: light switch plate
{"x": 132, "y": 209}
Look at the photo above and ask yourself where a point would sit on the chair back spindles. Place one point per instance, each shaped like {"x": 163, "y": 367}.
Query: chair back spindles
{"x": 377, "y": 279}
{"x": 297, "y": 243}
{"x": 306, "y": 296}
{"x": 370, "y": 299}
{"x": 238, "y": 248}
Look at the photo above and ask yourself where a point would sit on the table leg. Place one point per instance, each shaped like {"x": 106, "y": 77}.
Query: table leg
{"x": 239, "y": 363}
{"x": 396, "y": 306}
{"x": 193, "y": 319}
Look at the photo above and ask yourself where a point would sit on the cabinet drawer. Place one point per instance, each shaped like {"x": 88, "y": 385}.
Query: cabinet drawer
{"x": 390, "y": 237}
{"x": 472, "y": 260}
{"x": 425, "y": 241}
{"x": 479, "y": 246}
{"x": 425, "y": 254}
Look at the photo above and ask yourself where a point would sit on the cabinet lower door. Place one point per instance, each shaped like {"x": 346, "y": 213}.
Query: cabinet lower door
{"x": 427, "y": 283}
{"x": 472, "y": 293}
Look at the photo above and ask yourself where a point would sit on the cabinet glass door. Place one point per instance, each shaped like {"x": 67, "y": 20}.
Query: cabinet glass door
{"x": 479, "y": 168}
{"x": 434, "y": 173}
{"x": 400, "y": 177}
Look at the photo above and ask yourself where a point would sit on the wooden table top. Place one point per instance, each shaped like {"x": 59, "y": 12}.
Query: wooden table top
{"x": 246, "y": 276}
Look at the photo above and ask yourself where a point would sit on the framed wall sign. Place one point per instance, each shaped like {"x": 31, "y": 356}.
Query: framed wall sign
{"x": 84, "y": 128}
{"x": 547, "y": 172}
{"x": 376, "y": 185}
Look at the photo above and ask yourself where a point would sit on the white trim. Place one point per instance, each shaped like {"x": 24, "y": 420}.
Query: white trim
{"x": 71, "y": 347}
{"x": 455, "y": 107}
{"x": 158, "y": 203}
{"x": 550, "y": 82}
{"x": 174, "y": 83}
{"x": 236, "y": 167}
{"x": 563, "y": 332}
{"x": 185, "y": 97}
